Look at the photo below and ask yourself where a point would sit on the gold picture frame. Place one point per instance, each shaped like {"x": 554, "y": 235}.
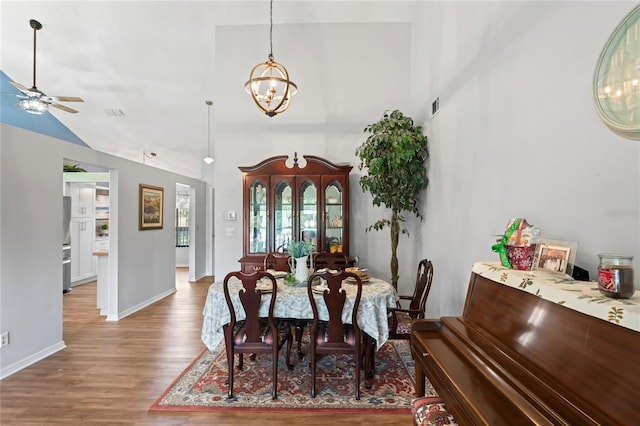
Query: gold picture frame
{"x": 151, "y": 211}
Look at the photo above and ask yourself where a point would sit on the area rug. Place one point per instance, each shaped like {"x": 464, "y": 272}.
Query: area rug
{"x": 203, "y": 385}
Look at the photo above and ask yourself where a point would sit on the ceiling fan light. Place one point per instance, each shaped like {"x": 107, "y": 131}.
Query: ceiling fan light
{"x": 33, "y": 106}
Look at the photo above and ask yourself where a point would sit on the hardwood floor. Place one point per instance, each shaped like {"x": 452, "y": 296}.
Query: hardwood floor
{"x": 111, "y": 372}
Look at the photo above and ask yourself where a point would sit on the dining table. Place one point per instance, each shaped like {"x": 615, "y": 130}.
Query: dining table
{"x": 292, "y": 302}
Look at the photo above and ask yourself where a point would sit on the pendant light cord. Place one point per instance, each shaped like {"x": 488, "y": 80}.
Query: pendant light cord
{"x": 209, "y": 128}
{"x": 271, "y": 31}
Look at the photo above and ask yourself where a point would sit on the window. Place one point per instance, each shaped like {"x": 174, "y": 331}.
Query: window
{"x": 182, "y": 219}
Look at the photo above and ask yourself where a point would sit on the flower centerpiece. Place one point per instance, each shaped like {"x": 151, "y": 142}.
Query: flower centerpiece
{"x": 298, "y": 249}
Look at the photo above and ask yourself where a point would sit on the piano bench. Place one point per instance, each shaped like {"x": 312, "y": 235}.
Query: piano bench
{"x": 428, "y": 411}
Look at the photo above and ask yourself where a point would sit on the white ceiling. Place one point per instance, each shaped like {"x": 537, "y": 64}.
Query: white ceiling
{"x": 158, "y": 61}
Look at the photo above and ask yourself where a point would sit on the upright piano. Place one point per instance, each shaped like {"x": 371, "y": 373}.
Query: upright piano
{"x": 533, "y": 350}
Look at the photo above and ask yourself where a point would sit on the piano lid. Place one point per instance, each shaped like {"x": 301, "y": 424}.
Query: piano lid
{"x": 582, "y": 296}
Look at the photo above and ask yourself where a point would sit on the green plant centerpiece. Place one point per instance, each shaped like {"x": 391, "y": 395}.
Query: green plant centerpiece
{"x": 298, "y": 249}
{"x": 395, "y": 155}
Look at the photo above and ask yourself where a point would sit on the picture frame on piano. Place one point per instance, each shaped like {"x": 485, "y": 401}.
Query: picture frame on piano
{"x": 555, "y": 256}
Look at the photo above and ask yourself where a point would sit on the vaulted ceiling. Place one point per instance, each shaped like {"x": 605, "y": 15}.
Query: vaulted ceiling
{"x": 158, "y": 61}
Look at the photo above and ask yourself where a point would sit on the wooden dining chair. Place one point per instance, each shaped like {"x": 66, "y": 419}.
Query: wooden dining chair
{"x": 321, "y": 260}
{"x": 400, "y": 319}
{"x": 254, "y": 334}
{"x": 336, "y": 261}
{"x": 277, "y": 261}
{"x": 334, "y": 336}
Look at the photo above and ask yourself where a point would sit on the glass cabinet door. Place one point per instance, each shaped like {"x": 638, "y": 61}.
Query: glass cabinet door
{"x": 258, "y": 219}
{"x": 334, "y": 227}
{"x": 283, "y": 226}
{"x": 309, "y": 213}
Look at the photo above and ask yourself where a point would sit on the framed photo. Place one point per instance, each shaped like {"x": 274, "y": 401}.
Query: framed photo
{"x": 555, "y": 256}
{"x": 151, "y": 203}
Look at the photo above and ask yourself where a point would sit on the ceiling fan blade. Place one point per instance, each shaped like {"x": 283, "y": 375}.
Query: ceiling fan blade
{"x": 67, "y": 99}
{"x": 19, "y": 86}
{"x": 64, "y": 108}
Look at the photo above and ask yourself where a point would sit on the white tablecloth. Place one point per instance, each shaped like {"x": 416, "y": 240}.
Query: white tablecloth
{"x": 582, "y": 296}
{"x": 293, "y": 302}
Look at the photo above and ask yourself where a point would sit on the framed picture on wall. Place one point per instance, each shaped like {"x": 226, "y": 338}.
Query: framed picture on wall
{"x": 555, "y": 256}
{"x": 151, "y": 203}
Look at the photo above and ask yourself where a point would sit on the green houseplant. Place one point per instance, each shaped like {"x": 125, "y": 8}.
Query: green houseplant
{"x": 299, "y": 249}
{"x": 394, "y": 155}
{"x": 66, "y": 167}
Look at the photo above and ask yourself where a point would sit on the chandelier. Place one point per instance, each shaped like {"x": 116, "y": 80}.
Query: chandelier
{"x": 208, "y": 159}
{"x": 269, "y": 84}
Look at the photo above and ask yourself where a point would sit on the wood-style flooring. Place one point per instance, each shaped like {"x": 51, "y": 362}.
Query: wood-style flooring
{"x": 110, "y": 372}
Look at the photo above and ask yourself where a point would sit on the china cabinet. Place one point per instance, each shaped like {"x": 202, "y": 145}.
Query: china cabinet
{"x": 294, "y": 202}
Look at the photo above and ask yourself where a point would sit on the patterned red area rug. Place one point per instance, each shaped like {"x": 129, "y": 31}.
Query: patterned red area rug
{"x": 202, "y": 386}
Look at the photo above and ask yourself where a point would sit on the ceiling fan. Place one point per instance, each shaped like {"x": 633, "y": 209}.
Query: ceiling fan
{"x": 33, "y": 100}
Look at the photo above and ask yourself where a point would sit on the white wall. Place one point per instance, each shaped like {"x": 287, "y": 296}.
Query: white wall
{"x": 517, "y": 134}
{"x": 30, "y": 252}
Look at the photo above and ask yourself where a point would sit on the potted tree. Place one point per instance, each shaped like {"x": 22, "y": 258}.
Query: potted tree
{"x": 394, "y": 155}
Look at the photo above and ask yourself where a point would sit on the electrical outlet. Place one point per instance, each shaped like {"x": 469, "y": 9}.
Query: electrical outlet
{"x": 4, "y": 339}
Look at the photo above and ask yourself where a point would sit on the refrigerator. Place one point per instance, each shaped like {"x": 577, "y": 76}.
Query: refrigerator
{"x": 66, "y": 244}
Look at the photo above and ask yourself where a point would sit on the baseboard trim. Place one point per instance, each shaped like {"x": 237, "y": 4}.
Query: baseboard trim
{"x": 32, "y": 359}
{"x": 142, "y": 305}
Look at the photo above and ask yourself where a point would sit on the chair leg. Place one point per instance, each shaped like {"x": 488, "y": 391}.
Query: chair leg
{"x": 312, "y": 357}
{"x": 370, "y": 357}
{"x": 230, "y": 359}
{"x": 299, "y": 325}
{"x": 358, "y": 359}
{"x": 288, "y": 339}
{"x": 289, "y": 345}
{"x": 274, "y": 387}
{"x": 240, "y": 361}
{"x": 230, "y": 368}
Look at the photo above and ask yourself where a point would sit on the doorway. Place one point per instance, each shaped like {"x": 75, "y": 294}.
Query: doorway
{"x": 92, "y": 229}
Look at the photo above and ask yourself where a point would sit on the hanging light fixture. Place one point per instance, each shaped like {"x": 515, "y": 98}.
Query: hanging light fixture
{"x": 208, "y": 159}
{"x": 269, "y": 84}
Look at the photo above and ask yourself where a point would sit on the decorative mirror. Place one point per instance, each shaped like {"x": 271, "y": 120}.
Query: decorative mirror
{"x": 616, "y": 84}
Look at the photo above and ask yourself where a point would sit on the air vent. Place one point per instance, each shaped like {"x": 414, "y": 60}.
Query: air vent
{"x": 435, "y": 106}
{"x": 114, "y": 112}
